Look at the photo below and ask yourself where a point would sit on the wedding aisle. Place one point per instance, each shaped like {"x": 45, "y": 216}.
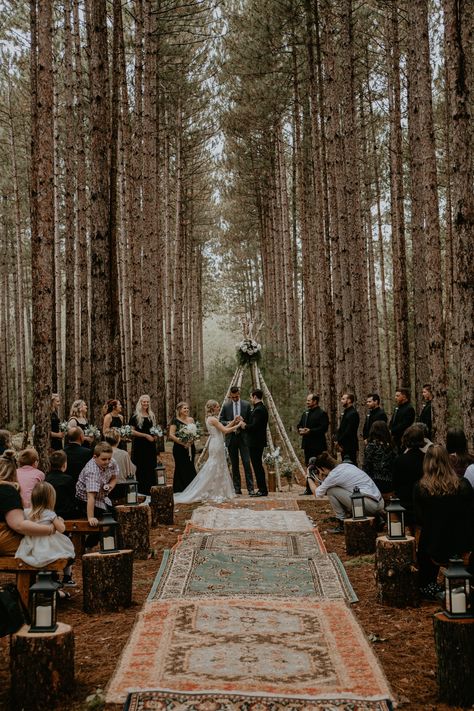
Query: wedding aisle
{"x": 243, "y": 617}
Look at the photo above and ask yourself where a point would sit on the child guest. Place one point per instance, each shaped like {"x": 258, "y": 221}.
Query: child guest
{"x": 28, "y": 474}
{"x": 64, "y": 485}
{"x": 42, "y": 550}
{"x": 94, "y": 486}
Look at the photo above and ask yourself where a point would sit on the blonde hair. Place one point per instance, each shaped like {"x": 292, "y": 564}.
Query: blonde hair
{"x": 8, "y": 468}
{"x": 180, "y": 406}
{"x": 439, "y": 477}
{"x": 28, "y": 457}
{"x": 139, "y": 411}
{"x": 43, "y": 497}
{"x": 75, "y": 408}
{"x": 210, "y": 405}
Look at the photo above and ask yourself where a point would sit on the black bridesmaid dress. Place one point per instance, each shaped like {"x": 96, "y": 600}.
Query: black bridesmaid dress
{"x": 184, "y": 470}
{"x": 143, "y": 455}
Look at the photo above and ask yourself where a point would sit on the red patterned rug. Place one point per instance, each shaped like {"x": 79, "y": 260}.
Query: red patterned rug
{"x": 255, "y": 542}
{"x": 247, "y": 654}
{"x": 259, "y": 505}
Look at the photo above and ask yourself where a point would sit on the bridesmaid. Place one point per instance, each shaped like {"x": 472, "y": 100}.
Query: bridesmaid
{"x": 113, "y": 418}
{"x": 144, "y": 444}
{"x": 184, "y": 470}
{"x": 78, "y": 418}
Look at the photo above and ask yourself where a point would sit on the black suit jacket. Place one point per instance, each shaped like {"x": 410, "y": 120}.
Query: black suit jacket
{"x": 77, "y": 458}
{"x": 257, "y": 426}
{"x": 402, "y": 418}
{"x": 65, "y": 487}
{"x": 375, "y": 415}
{"x": 426, "y": 417}
{"x": 227, "y": 415}
{"x": 347, "y": 433}
{"x": 317, "y": 421}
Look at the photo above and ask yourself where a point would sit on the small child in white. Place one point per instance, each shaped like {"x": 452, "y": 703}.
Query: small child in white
{"x": 42, "y": 550}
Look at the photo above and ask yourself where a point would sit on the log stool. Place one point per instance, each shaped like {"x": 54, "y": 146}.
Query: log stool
{"x": 360, "y": 535}
{"x": 395, "y": 572}
{"x": 162, "y": 505}
{"x": 107, "y": 581}
{"x": 454, "y": 643}
{"x": 134, "y": 531}
{"x": 42, "y": 667}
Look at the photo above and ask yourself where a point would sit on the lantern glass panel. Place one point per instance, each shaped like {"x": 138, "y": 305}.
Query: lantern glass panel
{"x": 458, "y": 590}
{"x": 43, "y": 604}
{"x": 132, "y": 492}
{"x": 108, "y": 534}
{"x": 358, "y": 504}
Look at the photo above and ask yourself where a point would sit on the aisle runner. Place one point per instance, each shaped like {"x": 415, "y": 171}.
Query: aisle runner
{"x": 211, "y": 517}
{"x": 199, "y": 574}
{"x": 263, "y": 504}
{"x": 266, "y": 654}
{"x": 254, "y": 542}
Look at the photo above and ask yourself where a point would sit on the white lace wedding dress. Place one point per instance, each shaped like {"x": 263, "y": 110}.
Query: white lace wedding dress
{"x": 213, "y": 482}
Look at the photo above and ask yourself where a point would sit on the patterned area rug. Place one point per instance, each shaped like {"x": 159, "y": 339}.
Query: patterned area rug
{"x": 173, "y": 701}
{"x": 314, "y": 651}
{"x": 211, "y": 518}
{"x": 255, "y": 542}
{"x": 260, "y": 504}
{"x": 187, "y": 573}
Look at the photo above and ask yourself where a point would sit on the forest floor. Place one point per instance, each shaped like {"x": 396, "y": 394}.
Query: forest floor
{"x": 401, "y": 639}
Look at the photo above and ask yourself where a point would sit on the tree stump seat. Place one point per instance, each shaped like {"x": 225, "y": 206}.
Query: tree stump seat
{"x": 395, "y": 572}
{"x": 107, "y": 580}
{"x": 42, "y": 668}
{"x": 134, "y": 531}
{"x": 360, "y": 535}
{"x": 162, "y": 505}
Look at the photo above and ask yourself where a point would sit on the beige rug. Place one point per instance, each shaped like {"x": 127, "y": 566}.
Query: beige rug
{"x": 212, "y": 518}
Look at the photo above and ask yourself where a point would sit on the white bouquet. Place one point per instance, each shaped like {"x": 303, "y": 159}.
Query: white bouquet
{"x": 187, "y": 434}
{"x": 156, "y": 431}
{"x": 248, "y": 351}
{"x": 273, "y": 457}
{"x": 92, "y": 431}
{"x": 63, "y": 426}
{"x": 125, "y": 432}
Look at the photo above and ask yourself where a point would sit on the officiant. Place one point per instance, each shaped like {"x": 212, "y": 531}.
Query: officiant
{"x": 237, "y": 441}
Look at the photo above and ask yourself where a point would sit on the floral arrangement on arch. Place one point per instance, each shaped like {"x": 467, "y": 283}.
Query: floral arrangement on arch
{"x": 248, "y": 351}
{"x": 287, "y": 470}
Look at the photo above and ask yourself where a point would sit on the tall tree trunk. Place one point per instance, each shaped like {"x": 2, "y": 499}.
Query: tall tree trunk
{"x": 42, "y": 238}
{"x": 459, "y": 21}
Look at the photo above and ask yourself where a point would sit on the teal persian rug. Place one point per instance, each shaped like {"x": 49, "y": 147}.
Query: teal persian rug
{"x": 187, "y": 573}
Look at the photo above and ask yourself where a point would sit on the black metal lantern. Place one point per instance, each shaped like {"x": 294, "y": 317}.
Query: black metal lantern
{"x": 395, "y": 520}
{"x": 108, "y": 534}
{"x": 160, "y": 470}
{"x": 43, "y": 604}
{"x": 458, "y": 590}
{"x": 132, "y": 491}
{"x": 358, "y": 504}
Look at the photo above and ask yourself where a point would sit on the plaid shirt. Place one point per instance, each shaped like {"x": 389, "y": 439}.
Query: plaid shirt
{"x": 92, "y": 479}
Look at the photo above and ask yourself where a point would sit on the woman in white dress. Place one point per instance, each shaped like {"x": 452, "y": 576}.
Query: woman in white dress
{"x": 213, "y": 482}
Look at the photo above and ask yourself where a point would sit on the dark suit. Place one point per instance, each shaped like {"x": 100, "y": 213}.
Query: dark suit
{"x": 77, "y": 458}
{"x": 65, "y": 487}
{"x": 346, "y": 436}
{"x": 375, "y": 415}
{"x": 314, "y": 442}
{"x": 402, "y": 418}
{"x": 257, "y": 440}
{"x": 426, "y": 416}
{"x": 237, "y": 442}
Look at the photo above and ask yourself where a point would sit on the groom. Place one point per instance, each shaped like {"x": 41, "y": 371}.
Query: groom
{"x": 257, "y": 439}
{"x": 237, "y": 441}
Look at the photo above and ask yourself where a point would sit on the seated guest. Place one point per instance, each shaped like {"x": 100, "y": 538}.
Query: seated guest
{"x": 63, "y": 484}
{"x": 444, "y": 505}
{"x": 337, "y": 481}
{"x": 5, "y": 440}
{"x": 77, "y": 455}
{"x": 408, "y": 468}
{"x": 13, "y": 525}
{"x": 28, "y": 474}
{"x": 94, "y": 486}
{"x": 456, "y": 444}
{"x": 379, "y": 456}
{"x": 125, "y": 465}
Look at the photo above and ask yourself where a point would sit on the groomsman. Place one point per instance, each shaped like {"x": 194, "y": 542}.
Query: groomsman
{"x": 256, "y": 429}
{"x": 375, "y": 414}
{"x": 237, "y": 441}
{"x": 403, "y": 416}
{"x": 426, "y": 414}
{"x": 346, "y": 436}
{"x": 313, "y": 425}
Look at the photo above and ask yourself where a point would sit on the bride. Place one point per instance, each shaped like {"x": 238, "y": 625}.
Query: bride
{"x": 213, "y": 482}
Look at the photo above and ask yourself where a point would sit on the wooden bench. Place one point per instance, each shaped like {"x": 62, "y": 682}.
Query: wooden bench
{"x": 25, "y": 574}
{"x": 79, "y": 528}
